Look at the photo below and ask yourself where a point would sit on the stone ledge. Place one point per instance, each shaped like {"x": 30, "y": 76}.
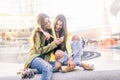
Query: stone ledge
{"x": 76, "y": 75}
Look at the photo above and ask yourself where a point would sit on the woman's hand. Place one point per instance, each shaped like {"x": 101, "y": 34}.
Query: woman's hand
{"x": 58, "y": 41}
{"x": 71, "y": 64}
{"x": 47, "y": 35}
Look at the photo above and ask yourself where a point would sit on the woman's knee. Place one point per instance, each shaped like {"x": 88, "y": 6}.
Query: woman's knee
{"x": 59, "y": 54}
{"x": 75, "y": 37}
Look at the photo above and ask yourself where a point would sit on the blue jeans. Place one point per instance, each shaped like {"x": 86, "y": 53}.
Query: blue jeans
{"x": 76, "y": 52}
{"x": 43, "y": 67}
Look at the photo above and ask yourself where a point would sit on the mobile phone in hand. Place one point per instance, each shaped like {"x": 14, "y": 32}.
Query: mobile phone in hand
{"x": 62, "y": 37}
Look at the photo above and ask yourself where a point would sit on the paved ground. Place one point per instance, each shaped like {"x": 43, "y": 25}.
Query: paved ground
{"x": 109, "y": 59}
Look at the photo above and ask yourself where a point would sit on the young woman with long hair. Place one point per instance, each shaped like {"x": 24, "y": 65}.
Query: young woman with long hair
{"x": 40, "y": 53}
{"x": 71, "y": 46}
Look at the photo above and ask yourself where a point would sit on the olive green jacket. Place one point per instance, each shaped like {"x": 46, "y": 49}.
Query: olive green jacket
{"x": 38, "y": 49}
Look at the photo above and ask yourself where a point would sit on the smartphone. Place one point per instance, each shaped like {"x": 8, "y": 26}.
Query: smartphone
{"x": 62, "y": 37}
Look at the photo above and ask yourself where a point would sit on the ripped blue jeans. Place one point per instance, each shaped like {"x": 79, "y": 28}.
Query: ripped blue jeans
{"x": 43, "y": 67}
{"x": 77, "y": 51}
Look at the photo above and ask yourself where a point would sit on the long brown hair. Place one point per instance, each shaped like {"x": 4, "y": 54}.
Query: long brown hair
{"x": 63, "y": 31}
{"x": 41, "y": 23}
